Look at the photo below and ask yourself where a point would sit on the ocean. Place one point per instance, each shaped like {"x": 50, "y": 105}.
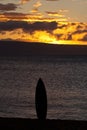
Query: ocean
{"x": 65, "y": 80}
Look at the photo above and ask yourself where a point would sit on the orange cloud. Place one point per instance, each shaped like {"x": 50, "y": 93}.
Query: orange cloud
{"x": 20, "y": 17}
{"x": 43, "y": 36}
{"x": 84, "y": 38}
{"x": 79, "y": 37}
{"x": 71, "y": 31}
{"x": 54, "y": 14}
{"x": 63, "y": 11}
{"x": 34, "y": 10}
{"x": 19, "y": 34}
{"x": 43, "y": 31}
{"x": 13, "y": 16}
{"x": 24, "y": 1}
{"x": 52, "y": 0}
{"x": 36, "y": 6}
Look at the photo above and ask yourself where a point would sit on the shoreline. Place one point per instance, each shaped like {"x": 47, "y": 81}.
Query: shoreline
{"x": 36, "y": 124}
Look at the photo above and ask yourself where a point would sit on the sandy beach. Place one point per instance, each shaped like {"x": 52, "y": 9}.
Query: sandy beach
{"x": 35, "y": 124}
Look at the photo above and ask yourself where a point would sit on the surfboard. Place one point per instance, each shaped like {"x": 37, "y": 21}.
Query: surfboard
{"x": 41, "y": 100}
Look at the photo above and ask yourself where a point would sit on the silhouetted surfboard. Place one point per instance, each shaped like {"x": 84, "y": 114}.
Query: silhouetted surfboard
{"x": 41, "y": 100}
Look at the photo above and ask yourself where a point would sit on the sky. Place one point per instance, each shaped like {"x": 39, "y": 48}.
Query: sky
{"x": 49, "y": 21}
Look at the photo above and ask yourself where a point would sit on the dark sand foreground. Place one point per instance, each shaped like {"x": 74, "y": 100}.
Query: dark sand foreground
{"x": 35, "y": 124}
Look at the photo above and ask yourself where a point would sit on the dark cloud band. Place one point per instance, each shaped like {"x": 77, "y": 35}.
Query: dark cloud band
{"x": 27, "y": 27}
{"x": 7, "y": 7}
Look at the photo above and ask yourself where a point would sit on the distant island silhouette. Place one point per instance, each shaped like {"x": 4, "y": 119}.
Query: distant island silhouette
{"x": 17, "y": 48}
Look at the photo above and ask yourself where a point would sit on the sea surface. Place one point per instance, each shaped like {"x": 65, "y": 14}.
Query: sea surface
{"x": 65, "y": 80}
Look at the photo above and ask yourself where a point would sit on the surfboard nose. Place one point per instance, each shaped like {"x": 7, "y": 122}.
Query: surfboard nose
{"x": 41, "y": 100}
{"x": 40, "y": 83}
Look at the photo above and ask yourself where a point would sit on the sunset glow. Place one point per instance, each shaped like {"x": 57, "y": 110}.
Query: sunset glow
{"x": 35, "y": 21}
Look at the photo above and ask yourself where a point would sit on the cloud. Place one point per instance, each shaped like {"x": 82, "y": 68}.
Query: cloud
{"x": 48, "y": 31}
{"x": 13, "y": 16}
{"x": 84, "y": 38}
{"x": 35, "y": 15}
{"x": 36, "y": 6}
{"x": 42, "y": 36}
{"x": 59, "y": 15}
{"x": 80, "y": 31}
{"x": 71, "y": 31}
{"x": 63, "y": 10}
{"x": 2, "y": 32}
{"x": 49, "y": 26}
{"x": 27, "y": 27}
{"x": 52, "y": 0}
{"x": 34, "y": 10}
{"x": 54, "y": 13}
{"x": 7, "y": 7}
{"x": 24, "y": 1}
